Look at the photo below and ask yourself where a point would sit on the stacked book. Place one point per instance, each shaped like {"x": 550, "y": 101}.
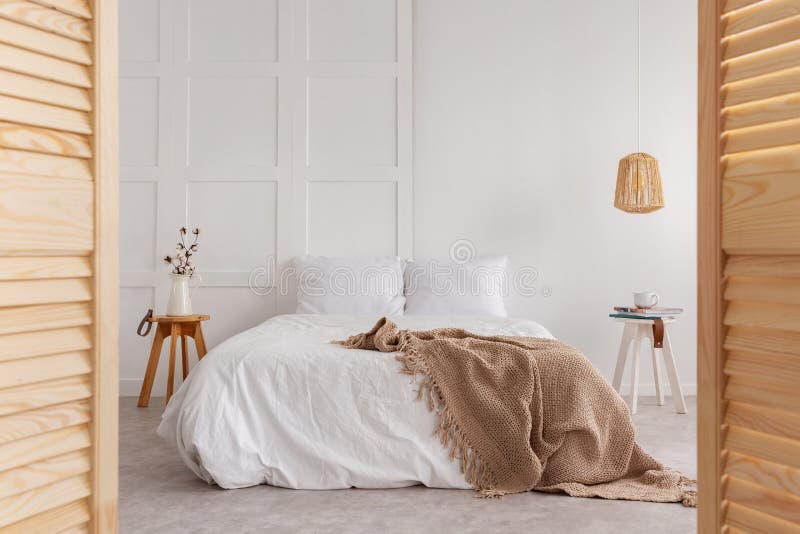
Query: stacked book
{"x": 632, "y": 312}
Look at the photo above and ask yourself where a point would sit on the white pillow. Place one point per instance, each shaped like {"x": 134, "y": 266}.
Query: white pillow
{"x": 355, "y": 286}
{"x": 475, "y": 287}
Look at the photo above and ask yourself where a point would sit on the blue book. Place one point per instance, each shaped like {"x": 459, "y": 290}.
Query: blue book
{"x": 641, "y": 315}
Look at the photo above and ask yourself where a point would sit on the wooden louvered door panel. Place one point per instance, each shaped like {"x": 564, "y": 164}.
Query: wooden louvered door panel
{"x": 749, "y": 277}
{"x": 58, "y": 266}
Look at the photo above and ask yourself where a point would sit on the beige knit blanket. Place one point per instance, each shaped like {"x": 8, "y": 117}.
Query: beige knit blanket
{"x": 526, "y": 414}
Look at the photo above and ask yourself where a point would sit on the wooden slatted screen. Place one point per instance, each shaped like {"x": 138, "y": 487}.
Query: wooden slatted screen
{"x": 58, "y": 266}
{"x": 749, "y": 276}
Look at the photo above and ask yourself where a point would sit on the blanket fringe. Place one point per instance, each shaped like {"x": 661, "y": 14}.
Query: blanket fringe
{"x": 490, "y": 494}
{"x": 475, "y": 471}
{"x": 351, "y": 342}
{"x": 689, "y": 495}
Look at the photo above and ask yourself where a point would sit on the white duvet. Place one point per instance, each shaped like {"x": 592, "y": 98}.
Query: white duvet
{"x": 279, "y": 404}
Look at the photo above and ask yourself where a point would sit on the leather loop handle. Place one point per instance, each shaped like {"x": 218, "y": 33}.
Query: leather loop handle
{"x": 658, "y": 333}
{"x": 145, "y": 321}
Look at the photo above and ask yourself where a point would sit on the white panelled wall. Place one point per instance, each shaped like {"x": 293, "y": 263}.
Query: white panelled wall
{"x": 281, "y": 131}
{"x": 279, "y": 127}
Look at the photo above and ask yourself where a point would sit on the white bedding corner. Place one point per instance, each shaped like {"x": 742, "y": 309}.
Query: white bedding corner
{"x": 279, "y": 404}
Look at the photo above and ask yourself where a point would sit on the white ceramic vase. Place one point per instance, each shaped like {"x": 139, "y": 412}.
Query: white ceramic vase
{"x": 180, "y": 298}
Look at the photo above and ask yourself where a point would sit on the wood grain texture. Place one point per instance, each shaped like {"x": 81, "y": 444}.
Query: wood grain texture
{"x": 43, "y": 446}
{"x": 763, "y": 136}
{"x": 762, "y": 339}
{"x": 775, "y": 368}
{"x": 44, "y": 42}
{"x": 777, "y": 422}
{"x": 730, "y": 5}
{"x": 783, "y": 266}
{"x": 46, "y": 419}
{"x": 766, "y": 161}
{"x": 39, "y": 267}
{"x": 68, "y": 516}
{"x": 44, "y": 140}
{"x": 169, "y": 319}
{"x": 45, "y": 67}
{"x": 44, "y": 115}
{"x": 785, "y": 317}
{"x": 44, "y": 472}
{"x": 45, "y": 393}
{"x": 41, "y": 214}
{"x": 79, "y": 8}
{"x": 757, "y": 497}
{"x": 105, "y": 426}
{"x": 31, "y": 292}
{"x": 57, "y": 440}
{"x": 779, "y": 108}
{"x": 710, "y": 259}
{"x": 759, "y": 14}
{"x": 46, "y": 18}
{"x": 770, "y": 85}
{"x": 30, "y": 344}
{"x": 760, "y": 445}
{"x": 78, "y": 529}
{"x": 760, "y": 63}
{"x": 761, "y": 214}
{"x": 39, "y": 90}
{"x": 759, "y": 133}
{"x": 752, "y": 521}
{"x": 30, "y": 370}
{"x": 19, "y": 507}
{"x": 33, "y": 163}
{"x": 765, "y": 394}
{"x": 44, "y": 317}
{"x": 768, "y": 474}
{"x": 759, "y": 289}
{"x": 778, "y": 33}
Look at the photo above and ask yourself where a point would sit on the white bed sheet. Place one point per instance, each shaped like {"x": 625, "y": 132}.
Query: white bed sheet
{"x": 279, "y": 404}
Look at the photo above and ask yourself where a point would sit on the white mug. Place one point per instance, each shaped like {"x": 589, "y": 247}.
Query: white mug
{"x": 646, "y": 299}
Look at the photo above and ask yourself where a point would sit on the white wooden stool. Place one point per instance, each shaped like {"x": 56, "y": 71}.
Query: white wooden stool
{"x": 635, "y": 331}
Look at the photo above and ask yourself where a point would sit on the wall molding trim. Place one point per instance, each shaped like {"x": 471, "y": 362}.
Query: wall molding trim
{"x": 282, "y": 133}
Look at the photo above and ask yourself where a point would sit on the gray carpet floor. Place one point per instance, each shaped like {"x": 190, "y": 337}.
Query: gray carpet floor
{"x": 159, "y": 494}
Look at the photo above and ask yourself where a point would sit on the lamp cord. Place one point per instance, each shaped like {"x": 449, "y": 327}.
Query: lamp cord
{"x": 636, "y": 34}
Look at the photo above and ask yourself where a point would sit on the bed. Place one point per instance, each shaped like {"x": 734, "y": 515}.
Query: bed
{"x": 279, "y": 404}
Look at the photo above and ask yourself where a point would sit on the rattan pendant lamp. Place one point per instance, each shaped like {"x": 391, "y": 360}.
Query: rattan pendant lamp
{"x": 639, "y": 187}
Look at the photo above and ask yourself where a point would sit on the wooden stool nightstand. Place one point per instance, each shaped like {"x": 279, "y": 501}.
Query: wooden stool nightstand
{"x": 657, "y": 336}
{"x": 172, "y": 327}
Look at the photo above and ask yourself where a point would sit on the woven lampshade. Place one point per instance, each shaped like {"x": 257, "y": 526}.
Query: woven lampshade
{"x": 639, "y": 184}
